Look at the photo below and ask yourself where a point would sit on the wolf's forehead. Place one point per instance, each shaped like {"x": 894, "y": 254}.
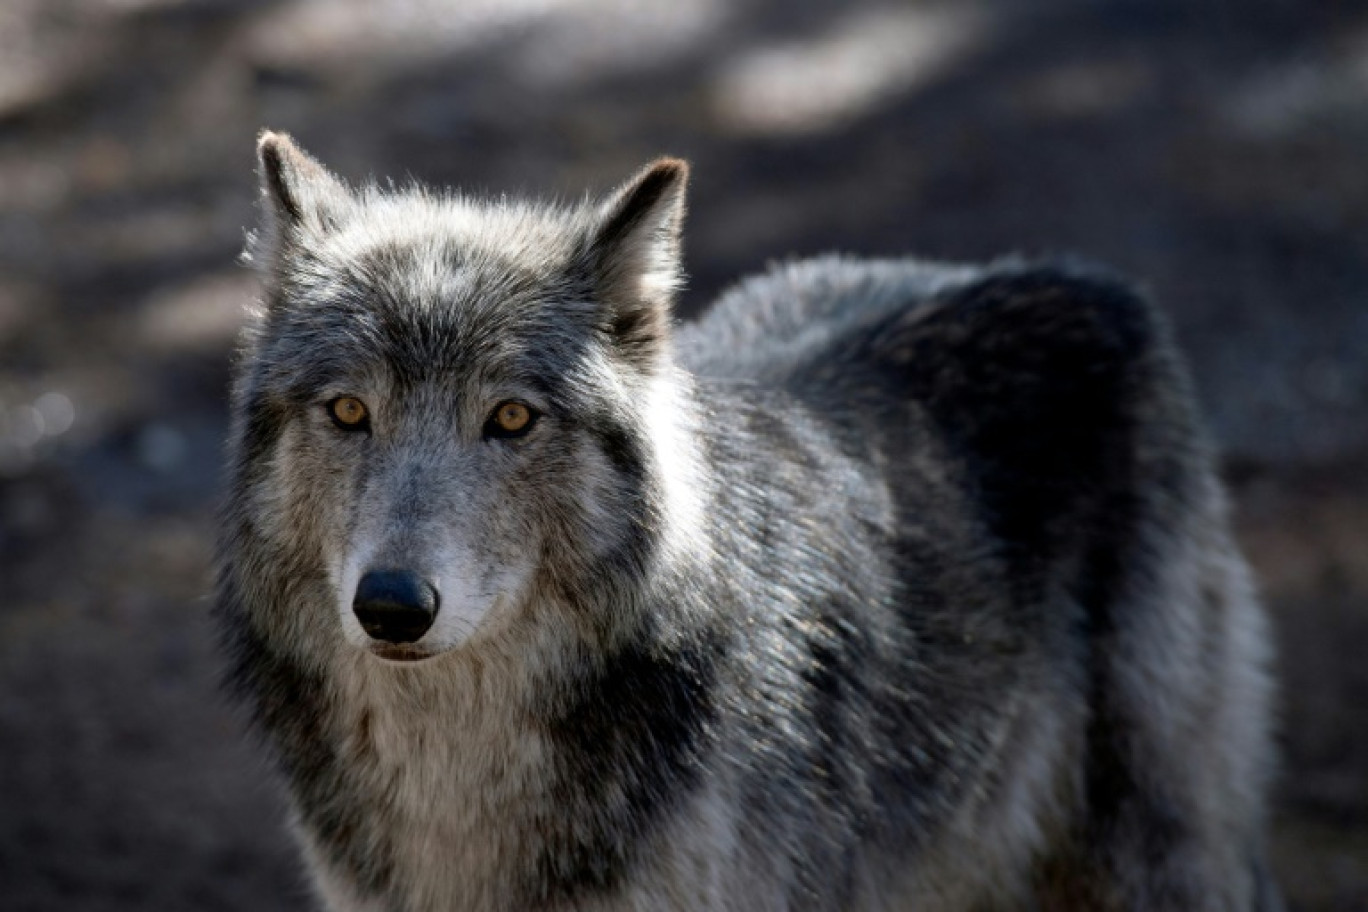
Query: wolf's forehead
{"x": 440, "y": 272}
{"x": 407, "y": 348}
{"x": 427, "y": 291}
{"x": 460, "y": 327}
{"x": 460, "y": 330}
{"x": 417, "y": 239}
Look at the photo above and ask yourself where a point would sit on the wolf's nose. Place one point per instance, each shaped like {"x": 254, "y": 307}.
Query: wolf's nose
{"x": 395, "y": 605}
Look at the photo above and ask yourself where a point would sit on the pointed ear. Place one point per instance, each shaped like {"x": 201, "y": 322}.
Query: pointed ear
{"x": 299, "y": 191}
{"x": 635, "y": 256}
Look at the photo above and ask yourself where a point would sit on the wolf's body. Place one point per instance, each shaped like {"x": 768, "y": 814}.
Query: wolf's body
{"x": 884, "y": 586}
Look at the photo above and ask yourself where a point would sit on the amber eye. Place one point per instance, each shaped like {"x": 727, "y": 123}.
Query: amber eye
{"x": 349, "y": 413}
{"x": 510, "y": 419}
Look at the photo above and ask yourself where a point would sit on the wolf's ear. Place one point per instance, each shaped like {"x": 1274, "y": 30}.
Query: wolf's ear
{"x": 635, "y": 257}
{"x": 300, "y": 192}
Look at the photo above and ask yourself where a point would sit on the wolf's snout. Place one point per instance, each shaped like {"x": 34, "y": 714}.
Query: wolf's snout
{"x": 396, "y": 606}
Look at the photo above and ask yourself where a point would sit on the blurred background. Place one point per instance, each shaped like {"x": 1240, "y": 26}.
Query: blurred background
{"x": 1216, "y": 151}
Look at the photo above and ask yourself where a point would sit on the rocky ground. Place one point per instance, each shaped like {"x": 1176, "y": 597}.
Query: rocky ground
{"x": 1213, "y": 150}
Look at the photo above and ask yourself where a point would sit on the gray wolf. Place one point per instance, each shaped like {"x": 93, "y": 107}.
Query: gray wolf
{"x": 885, "y": 585}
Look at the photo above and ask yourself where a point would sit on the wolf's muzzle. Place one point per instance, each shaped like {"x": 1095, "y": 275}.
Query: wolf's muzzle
{"x": 395, "y": 606}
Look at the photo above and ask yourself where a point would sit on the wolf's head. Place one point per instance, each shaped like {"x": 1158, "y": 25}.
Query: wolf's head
{"x": 451, "y": 414}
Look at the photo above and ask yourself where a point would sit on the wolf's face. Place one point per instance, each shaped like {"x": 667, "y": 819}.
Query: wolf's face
{"x": 448, "y": 408}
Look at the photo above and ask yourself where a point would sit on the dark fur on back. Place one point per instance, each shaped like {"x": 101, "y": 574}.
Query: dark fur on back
{"x": 947, "y": 616}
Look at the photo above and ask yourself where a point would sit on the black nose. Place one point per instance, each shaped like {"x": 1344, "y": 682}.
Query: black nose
{"x": 395, "y": 605}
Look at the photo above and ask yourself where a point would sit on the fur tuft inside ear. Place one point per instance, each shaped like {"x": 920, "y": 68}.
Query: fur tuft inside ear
{"x": 636, "y": 258}
{"x": 300, "y": 191}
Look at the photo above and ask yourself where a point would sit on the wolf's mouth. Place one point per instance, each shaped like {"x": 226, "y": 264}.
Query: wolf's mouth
{"x": 400, "y": 653}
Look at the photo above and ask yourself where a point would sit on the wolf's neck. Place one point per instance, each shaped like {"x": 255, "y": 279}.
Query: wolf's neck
{"x": 440, "y": 754}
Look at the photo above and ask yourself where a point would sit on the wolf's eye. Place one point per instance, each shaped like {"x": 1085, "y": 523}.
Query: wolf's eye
{"x": 349, "y": 413}
{"x": 510, "y": 419}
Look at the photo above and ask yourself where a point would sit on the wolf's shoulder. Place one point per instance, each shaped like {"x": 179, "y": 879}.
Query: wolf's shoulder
{"x": 794, "y": 309}
{"x": 802, "y": 316}
{"x": 836, "y": 321}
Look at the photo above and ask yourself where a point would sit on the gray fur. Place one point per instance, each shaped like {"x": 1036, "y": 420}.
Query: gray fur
{"x": 886, "y": 585}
